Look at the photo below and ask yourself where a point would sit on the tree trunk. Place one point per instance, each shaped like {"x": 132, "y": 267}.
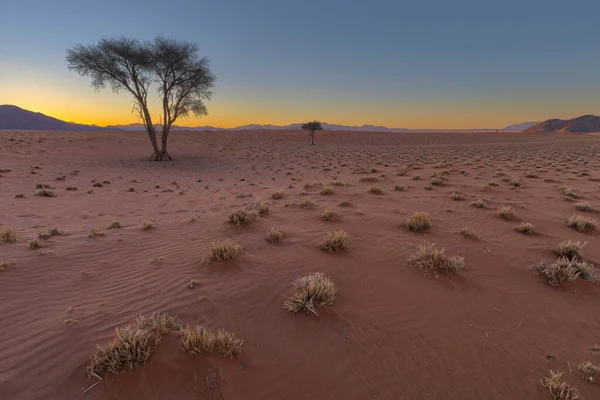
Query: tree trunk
{"x": 162, "y": 154}
{"x": 312, "y": 138}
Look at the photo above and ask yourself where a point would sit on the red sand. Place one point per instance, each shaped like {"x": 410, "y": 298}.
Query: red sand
{"x": 392, "y": 333}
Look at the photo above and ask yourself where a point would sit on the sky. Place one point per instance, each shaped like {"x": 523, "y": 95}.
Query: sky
{"x": 399, "y": 63}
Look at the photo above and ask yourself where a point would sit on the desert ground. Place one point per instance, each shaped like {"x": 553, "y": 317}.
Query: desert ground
{"x": 491, "y": 330}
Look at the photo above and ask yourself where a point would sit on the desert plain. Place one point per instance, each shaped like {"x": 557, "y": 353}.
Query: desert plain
{"x": 493, "y": 330}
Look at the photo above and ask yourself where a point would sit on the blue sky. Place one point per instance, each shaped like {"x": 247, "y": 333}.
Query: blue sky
{"x": 416, "y": 64}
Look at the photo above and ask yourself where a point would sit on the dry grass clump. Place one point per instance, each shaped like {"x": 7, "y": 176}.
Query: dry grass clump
{"x": 399, "y": 188}
{"x": 307, "y": 203}
{"x": 7, "y": 235}
{"x": 467, "y": 232}
{"x": 274, "y": 236}
{"x": 335, "y": 241}
{"x": 418, "y": 222}
{"x": 19, "y": 196}
{"x": 559, "y": 390}
{"x": 5, "y": 264}
{"x": 327, "y": 190}
{"x": 114, "y": 225}
{"x": 241, "y": 217}
{"x": 201, "y": 340}
{"x": 568, "y": 193}
{"x": 277, "y": 195}
{"x": 369, "y": 179}
{"x": 330, "y": 215}
{"x": 570, "y": 249}
{"x": 261, "y": 208}
{"x": 583, "y": 206}
{"x": 478, "y": 203}
{"x": 96, "y": 232}
{"x": 346, "y": 203}
{"x": 437, "y": 181}
{"x": 50, "y": 233}
{"x": 35, "y": 244}
{"x": 587, "y": 371}
{"x": 376, "y": 190}
{"x": 565, "y": 271}
{"x": 129, "y": 348}
{"x": 45, "y": 193}
{"x": 582, "y": 223}
{"x": 224, "y": 249}
{"x": 162, "y": 322}
{"x": 435, "y": 260}
{"x": 456, "y": 196}
{"x": 147, "y": 225}
{"x": 526, "y": 228}
{"x": 312, "y": 290}
{"x": 505, "y": 212}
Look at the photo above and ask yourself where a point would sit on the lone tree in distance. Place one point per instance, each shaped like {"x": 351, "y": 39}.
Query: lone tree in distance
{"x": 311, "y": 127}
{"x": 183, "y": 79}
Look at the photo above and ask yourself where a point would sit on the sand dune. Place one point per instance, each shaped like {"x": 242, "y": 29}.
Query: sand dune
{"x": 393, "y": 332}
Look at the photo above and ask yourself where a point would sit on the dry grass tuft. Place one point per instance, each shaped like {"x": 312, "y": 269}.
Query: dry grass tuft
{"x": 129, "y": 348}
{"x": 5, "y": 264}
{"x": 261, "y": 208}
{"x": 114, "y": 225}
{"x": 45, "y": 193}
{"x": 96, "y": 232}
{"x": 582, "y": 223}
{"x": 224, "y": 249}
{"x": 418, "y": 222}
{"x": 478, "y": 203}
{"x": 327, "y": 190}
{"x": 346, "y": 203}
{"x": 583, "y": 206}
{"x": 162, "y": 322}
{"x": 35, "y": 244}
{"x": 376, "y": 190}
{"x": 587, "y": 371}
{"x": 369, "y": 179}
{"x": 559, "y": 390}
{"x": 330, "y": 215}
{"x": 312, "y": 290}
{"x": 51, "y": 233}
{"x": 274, "y": 236}
{"x": 505, "y": 212}
{"x": 570, "y": 249}
{"x": 277, "y": 195}
{"x": 467, "y": 232}
{"x": 7, "y": 235}
{"x": 201, "y": 340}
{"x": 568, "y": 193}
{"x": 526, "y": 228}
{"x": 457, "y": 196}
{"x": 147, "y": 225}
{"x": 565, "y": 270}
{"x": 399, "y": 188}
{"x": 307, "y": 203}
{"x": 435, "y": 260}
{"x": 335, "y": 241}
{"x": 241, "y": 217}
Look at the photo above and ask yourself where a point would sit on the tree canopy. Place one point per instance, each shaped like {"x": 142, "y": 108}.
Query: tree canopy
{"x": 311, "y": 127}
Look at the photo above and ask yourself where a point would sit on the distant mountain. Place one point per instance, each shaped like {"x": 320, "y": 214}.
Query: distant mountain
{"x": 583, "y": 124}
{"x": 256, "y": 127}
{"x": 13, "y": 117}
{"x": 520, "y": 127}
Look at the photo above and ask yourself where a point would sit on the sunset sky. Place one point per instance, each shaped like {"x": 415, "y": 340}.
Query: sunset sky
{"x": 405, "y": 64}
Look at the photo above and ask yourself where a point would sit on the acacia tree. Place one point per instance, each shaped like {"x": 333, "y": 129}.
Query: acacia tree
{"x": 183, "y": 79}
{"x": 311, "y": 127}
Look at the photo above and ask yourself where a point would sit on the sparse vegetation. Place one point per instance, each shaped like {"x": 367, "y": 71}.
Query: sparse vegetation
{"x": 114, "y": 225}
{"x": 478, "y": 203}
{"x": 587, "y": 371}
{"x": 457, "y": 196}
{"x": 19, "y": 196}
{"x": 583, "y": 206}
{"x": 376, "y": 190}
{"x": 147, "y": 225}
{"x": 277, "y": 195}
{"x": 201, "y": 340}
{"x": 559, "y": 390}
{"x": 241, "y": 217}
{"x": 224, "y": 249}
{"x": 327, "y": 190}
{"x": 399, "y": 188}
{"x": 467, "y": 232}
{"x": 526, "y": 228}
{"x": 418, "y": 222}
{"x": 346, "y": 203}
{"x": 95, "y": 232}
{"x": 45, "y": 193}
{"x": 35, "y": 244}
{"x": 564, "y": 271}
{"x": 312, "y": 290}
{"x": 274, "y": 236}
{"x": 261, "y": 208}
{"x": 435, "y": 260}
{"x": 7, "y": 235}
{"x": 330, "y": 215}
{"x": 307, "y": 203}
{"x": 505, "y": 212}
{"x": 570, "y": 249}
{"x": 582, "y": 223}
{"x": 335, "y": 241}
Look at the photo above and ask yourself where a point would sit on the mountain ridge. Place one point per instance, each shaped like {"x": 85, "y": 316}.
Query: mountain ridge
{"x": 582, "y": 124}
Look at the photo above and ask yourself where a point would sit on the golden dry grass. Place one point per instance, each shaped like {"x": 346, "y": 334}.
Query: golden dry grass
{"x": 224, "y": 249}
{"x": 526, "y": 228}
{"x": 96, "y": 232}
{"x": 565, "y": 270}
{"x": 376, "y": 190}
{"x": 457, "y": 196}
{"x": 467, "y": 232}
{"x": 435, "y": 260}
{"x": 34, "y": 244}
{"x": 274, "y": 236}
{"x": 558, "y": 389}
{"x": 582, "y": 223}
{"x": 7, "y": 235}
{"x": 201, "y": 340}
{"x": 346, "y": 203}
{"x": 312, "y": 290}
{"x": 147, "y": 225}
{"x": 587, "y": 371}
{"x": 327, "y": 190}
{"x": 161, "y": 322}
{"x": 570, "y": 249}
{"x": 478, "y": 203}
{"x": 335, "y": 241}
{"x": 330, "y": 215}
{"x": 307, "y": 203}
{"x": 241, "y": 217}
{"x": 261, "y": 208}
{"x": 583, "y": 206}
{"x": 277, "y": 195}
{"x": 114, "y": 225}
{"x": 418, "y": 221}
{"x": 6, "y": 264}
{"x": 505, "y": 212}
